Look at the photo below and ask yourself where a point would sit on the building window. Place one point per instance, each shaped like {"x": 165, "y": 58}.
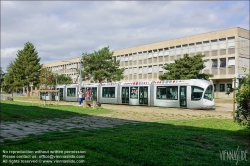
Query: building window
{"x": 214, "y": 63}
{"x": 150, "y": 69}
{"x": 229, "y": 87}
{"x": 222, "y": 87}
{"x": 222, "y": 43}
{"x": 184, "y": 49}
{"x": 130, "y": 57}
{"x": 166, "y": 52}
{"x": 198, "y": 47}
{"x": 108, "y": 92}
{"x": 214, "y": 44}
{"x": 223, "y": 62}
{"x": 215, "y": 87}
{"x": 172, "y": 51}
{"x": 230, "y": 42}
{"x": 231, "y": 62}
{"x": 191, "y": 48}
{"x": 135, "y": 56}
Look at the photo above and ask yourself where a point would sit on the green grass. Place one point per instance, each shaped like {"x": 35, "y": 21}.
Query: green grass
{"x": 13, "y": 111}
{"x": 186, "y": 142}
{"x": 169, "y": 142}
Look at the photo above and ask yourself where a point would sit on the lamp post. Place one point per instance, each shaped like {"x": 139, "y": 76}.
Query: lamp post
{"x": 56, "y": 79}
{"x": 80, "y": 74}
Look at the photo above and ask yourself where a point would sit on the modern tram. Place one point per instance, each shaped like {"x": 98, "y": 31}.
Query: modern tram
{"x": 193, "y": 93}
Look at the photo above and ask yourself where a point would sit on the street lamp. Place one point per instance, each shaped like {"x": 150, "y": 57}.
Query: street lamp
{"x": 80, "y": 74}
{"x": 56, "y": 79}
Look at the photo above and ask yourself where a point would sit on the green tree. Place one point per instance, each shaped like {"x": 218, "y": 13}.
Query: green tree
{"x": 46, "y": 79}
{"x": 185, "y": 68}
{"x": 1, "y": 78}
{"x": 101, "y": 66}
{"x": 26, "y": 67}
{"x": 63, "y": 79}
{"x": 9, "y": 84}
{"x": 243, "y": 101}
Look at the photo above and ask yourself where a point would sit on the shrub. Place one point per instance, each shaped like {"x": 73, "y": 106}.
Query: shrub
{"x": 243, "y": 101}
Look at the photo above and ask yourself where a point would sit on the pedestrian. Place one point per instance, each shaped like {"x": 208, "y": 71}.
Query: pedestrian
{"x": 80, "y": 97}
{"x": 88, "y": 95}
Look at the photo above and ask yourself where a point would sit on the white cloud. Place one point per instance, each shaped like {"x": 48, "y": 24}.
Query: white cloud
{"x": 9, "y": 52}
{"x": 63, "y": 30}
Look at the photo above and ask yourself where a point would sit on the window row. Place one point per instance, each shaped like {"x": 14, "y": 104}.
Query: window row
{"x": 67, "y": 66}
{"x": 162, "y": 92}
{"x": 144, "y": 69}
{"x": 221, "y": 62}
{"x": 182, "y": 49}
{"x": 223, "y": 87}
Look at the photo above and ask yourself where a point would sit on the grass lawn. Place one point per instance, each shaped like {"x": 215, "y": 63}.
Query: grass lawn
{"x": 170, "y": 142}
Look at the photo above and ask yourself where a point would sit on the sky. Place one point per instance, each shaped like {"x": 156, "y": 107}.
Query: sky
{"x": 62, "y": 30}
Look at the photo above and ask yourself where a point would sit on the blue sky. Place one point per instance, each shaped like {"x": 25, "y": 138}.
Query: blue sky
{"x": 62, "y": 30}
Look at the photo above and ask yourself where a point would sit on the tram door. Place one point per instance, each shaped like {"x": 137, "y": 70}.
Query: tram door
{"x": 125, "y": 95}
{"x": 143, "y": 95}
{"x": 94, "y": 93}
{"x": 61, "y": 93}
{"x": 183, "y": 96}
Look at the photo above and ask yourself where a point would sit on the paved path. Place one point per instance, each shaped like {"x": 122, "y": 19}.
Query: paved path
{"x": 20, "y": 129}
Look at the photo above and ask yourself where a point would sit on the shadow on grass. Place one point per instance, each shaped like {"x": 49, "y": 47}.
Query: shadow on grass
{"x": 182, "y": 142}
{"x": 16, "y": 111}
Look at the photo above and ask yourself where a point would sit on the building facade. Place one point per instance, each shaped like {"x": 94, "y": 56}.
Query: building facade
{"x": 226, "y": 54}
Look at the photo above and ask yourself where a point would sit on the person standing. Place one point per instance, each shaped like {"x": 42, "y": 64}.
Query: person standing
{"x": 88, "y": 95}
{"x": 80, "y": 97}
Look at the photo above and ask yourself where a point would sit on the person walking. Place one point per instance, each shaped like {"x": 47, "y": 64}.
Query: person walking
{"x": 80, "y": 97}
{"x": 88, "y": 95}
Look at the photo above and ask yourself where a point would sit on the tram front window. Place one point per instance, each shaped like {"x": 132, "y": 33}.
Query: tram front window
{"x": 209, "y": 93}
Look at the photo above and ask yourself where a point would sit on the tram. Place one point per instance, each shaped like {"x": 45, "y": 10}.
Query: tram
{"x": 193, "y": 93}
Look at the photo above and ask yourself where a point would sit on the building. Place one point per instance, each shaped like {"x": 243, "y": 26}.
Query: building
{"x": 226, "y": 53}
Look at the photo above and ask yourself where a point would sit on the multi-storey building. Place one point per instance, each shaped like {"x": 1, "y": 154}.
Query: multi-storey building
{"x": 226, "y": 53}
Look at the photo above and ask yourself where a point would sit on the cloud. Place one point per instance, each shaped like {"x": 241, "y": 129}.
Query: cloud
{"x": 65, "y": 29}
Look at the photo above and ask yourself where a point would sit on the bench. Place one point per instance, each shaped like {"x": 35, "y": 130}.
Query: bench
{"x": 88, "y": 103}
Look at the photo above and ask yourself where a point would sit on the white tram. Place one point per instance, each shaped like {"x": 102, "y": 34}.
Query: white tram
{"x": 194, "y": 93}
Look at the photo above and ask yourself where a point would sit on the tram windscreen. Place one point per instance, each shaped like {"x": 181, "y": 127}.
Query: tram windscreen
{"x": 209, "y": 93}
{"x": 196, "y": 93}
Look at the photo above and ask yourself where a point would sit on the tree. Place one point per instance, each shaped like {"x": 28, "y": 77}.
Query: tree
{"x": 9, "y": 84}
{"x": 1, "y": 78}
{"x": 243, "y": 101}
{"x": 46, "y": 79}
{"x": 26, "y": 67}
{"x": 101, "y": 66}
{"x": 63, "y": 79}
{"x": 185, "y": 68}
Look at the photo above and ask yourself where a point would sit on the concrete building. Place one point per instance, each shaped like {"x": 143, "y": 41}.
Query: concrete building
{"x": 226, "y": 53}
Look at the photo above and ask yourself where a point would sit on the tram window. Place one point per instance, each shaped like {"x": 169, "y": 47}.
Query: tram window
{"x": 71, "y": 92}
{"x": 108, "y": 92}
{"x": 161, "y": 92}
{"x": 209, "y": 95}
{"x": 134, "y": 92}
{"x": 172, "y": 92}
{"x": 196, "y": 93}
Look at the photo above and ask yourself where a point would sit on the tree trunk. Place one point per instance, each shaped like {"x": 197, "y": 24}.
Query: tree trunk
{"x": 28, "y": 89}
